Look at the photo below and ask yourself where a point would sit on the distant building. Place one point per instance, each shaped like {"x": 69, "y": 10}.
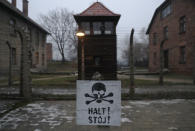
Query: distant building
{"x": 141, "y": 55}
{"x": 49, "y": 52}
{"x": 100, "y": 42}
{"x": 12, "y": 17}
{"x": 174, "y": 22}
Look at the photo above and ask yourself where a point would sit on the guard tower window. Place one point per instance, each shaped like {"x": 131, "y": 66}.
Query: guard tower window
{"x": 109, "y": 27}
{"x": 86, "y": 27}
{"x": 97, "y": 28}
{"x": 97, "y": 60}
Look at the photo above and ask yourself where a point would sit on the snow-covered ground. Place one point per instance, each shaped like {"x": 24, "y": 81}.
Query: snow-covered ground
{"x": 36, "y": 114}
{"x": 6, "y": 105}
{"x": 51, "y": 115}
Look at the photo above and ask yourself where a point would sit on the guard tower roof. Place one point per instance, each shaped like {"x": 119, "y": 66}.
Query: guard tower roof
{"x": 97, "y": 9}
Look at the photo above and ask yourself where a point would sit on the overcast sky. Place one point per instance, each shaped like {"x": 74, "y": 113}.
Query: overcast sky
{"x": 134, "y": 13}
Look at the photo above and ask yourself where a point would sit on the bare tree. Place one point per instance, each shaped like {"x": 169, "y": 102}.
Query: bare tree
{"x": 62, "y": 27}
{"x": 143, "y": 37}
{"x": 125, "y": 49}
{"x": 140, "y": 47}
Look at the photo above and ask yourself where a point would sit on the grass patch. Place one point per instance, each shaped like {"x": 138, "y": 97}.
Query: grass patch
{"x": 62, "y": 67}
{"x": 138, "y": 82}
{"x": 61, "y": 81}
{"x": 71, "y": 82}
{"x": 126, "y": 82}
{"x": 37, "y": 76}
{"x": 178, "y": 76}
{"x": 3, "y": 81}
{"x": 141, "y": 68}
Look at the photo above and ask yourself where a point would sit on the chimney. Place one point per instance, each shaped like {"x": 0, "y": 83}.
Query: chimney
{"x": 14, "y": 3}
{"x": 25, "y": 7}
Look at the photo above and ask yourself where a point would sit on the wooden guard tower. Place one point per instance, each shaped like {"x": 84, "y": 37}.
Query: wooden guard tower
{"x": 100, "y": 42}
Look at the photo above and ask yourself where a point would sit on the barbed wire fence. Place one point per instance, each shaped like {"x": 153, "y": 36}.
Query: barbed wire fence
{"x": 121, "y": 33}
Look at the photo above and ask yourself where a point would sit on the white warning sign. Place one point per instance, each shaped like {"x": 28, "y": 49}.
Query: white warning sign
{"x": 99, "y": 103}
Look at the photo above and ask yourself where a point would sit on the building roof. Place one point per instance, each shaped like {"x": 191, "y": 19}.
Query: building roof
{"x": 97, "y": 9}
{"x": 155, "y": 14}
{"x": 10, "y": 7}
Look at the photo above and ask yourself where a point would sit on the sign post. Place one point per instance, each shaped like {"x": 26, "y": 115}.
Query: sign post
{"x": 99, "y": 103}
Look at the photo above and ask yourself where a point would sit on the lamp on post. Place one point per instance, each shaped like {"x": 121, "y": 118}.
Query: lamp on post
{"x": 80, "y": 34}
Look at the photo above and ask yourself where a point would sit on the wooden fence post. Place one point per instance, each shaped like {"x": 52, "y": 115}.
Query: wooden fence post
{"x": 161, "y": 75}
{"x": 193, "y": 66}
{"x": 131, "y": 64}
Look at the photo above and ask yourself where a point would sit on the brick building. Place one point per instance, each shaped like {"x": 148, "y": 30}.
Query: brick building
{"x": 49, "y": 52}
{"x": 10, "y": 42}
{"x": 173, "y": 22}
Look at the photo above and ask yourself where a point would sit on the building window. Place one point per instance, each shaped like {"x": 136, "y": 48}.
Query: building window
{"x": 182, "y": 55}
{"x": 154, "y": 38}
{"x": 37, "y": 58}
{"x": 12, "y": 23}
{"x": 37, "y": 39}
{"x": 109, "y": 27}
{"x": 165, "y": 32}
{"x": 13, "y": 53}
{"x": 166, "y": 11}
{"x": 43, "y": 40}
{"x": 30, "y": 58}
{"x": 182, "y": 24}
{"x": 43, "y": 59}
{"x": 154, "y": 58}
{"x": 30, "y": 34}
{"x": 86, "y": 27}
{"x": 97, "y": 28}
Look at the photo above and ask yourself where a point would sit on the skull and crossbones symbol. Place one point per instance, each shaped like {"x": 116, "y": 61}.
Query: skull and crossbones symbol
{"x": 98, "y": 94}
